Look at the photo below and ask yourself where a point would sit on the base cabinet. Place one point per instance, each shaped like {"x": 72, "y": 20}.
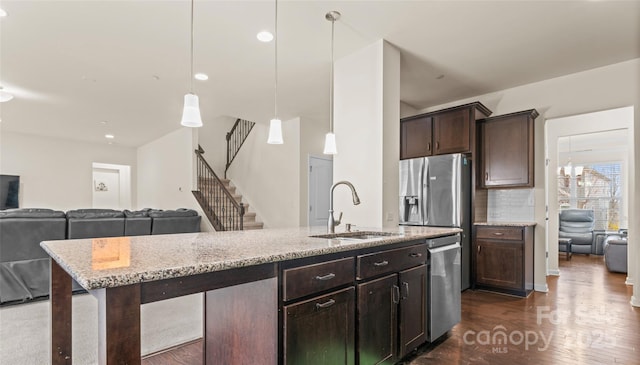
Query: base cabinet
{"x": 504, "y": 259}
{"x": 321, "y": 330}
{"x": 369, "y": 308}
{"x": 392, "y": 310}
{"x": 413, "y": 309}
{"x": 377, "y": 320}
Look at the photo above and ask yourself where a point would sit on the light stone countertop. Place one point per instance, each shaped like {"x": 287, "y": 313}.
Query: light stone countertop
{"x": 111, "y": 262}
{"x": 506, "y": 224}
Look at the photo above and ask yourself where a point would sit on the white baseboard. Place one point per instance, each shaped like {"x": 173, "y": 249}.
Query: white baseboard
{"x": 635, "y": 301}
{"x": 544, "y": 288}
{"x": 554, "y": 272}
{"x": 629, "y": 281}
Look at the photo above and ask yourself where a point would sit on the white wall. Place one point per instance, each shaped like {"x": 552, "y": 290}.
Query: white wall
{"x": 268, "y": 176}
{"x": 312, "y": 134}
{"x": 212, "y": 138}
{"x": 367, "y": 114}
{"x": 602, "y": 88}
{"x": 57, "y": 173}
{"x": 166, "y": 173}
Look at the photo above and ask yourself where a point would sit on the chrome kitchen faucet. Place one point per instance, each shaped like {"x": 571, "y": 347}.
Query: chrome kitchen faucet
{"x": 332, "y": 223}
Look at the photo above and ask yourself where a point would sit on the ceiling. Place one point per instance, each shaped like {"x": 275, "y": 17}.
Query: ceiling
{"x": 80, "y": 69}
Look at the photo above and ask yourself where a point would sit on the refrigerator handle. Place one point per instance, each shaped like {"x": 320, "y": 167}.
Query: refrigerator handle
{"x": 421, "y": 207}
{"x": 424, "y": 199}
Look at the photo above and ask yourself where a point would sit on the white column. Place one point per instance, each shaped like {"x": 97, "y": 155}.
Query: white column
{"x": 367, "y": 128}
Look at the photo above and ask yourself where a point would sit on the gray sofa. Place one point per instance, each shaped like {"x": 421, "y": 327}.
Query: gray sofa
{"x": 578, "y": 224}
{"x": 615, "y": 253}
{"x": 90, "y": 223}
{"x": 24, "y": 265}
{"x": 174, "y": 221}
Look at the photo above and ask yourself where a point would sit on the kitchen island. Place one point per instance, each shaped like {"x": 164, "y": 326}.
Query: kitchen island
{"x": 243, "y": 273}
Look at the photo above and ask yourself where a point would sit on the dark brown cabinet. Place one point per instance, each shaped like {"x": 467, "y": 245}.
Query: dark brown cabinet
{"x": 416, "y": 138}
{"x": 377, "y": 325}
{"x": 392, "y": 309}
{"x": 321, "y": 331}
{"x": 413, "y": 308}
{"x": 367, "y": 307}
{"x": 452, "y": 131}
{"x": 441, "y": 132}
{"x": 507, "y": 150}
{"x": 504, "y": 259}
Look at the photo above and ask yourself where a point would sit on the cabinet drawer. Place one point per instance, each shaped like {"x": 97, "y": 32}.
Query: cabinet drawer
{"x": 391, "y": 261}
{"x": 305, "y": 280}
{"x": 501, "y": 233}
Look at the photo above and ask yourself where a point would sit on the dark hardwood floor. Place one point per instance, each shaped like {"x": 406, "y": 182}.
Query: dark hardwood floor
{"x": 585, "y": 318}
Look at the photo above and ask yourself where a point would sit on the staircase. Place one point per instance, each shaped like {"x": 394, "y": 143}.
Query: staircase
{"x": 249, "y": 218}
{"x": 220, "y": 201}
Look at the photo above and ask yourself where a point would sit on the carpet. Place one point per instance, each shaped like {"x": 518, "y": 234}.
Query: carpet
{"x": 25, "y": 338}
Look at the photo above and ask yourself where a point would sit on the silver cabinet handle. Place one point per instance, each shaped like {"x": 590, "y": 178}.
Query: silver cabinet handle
{"x": 498, "y": 234}
{"x": 395, "y": 294}
{"x": 381, "y": 263}
{"x": 326, "y": 304}
{"x": 415, "y": 254}
{"x": 326, "y": 277}
{"x": 405, "y": 286}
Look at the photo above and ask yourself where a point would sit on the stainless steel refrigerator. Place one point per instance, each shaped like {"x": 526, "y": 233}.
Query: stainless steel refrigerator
{"x": 436, "y": 191}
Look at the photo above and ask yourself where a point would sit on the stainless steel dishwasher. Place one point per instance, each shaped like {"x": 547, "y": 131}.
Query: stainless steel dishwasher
{"x": 443, "y": 290}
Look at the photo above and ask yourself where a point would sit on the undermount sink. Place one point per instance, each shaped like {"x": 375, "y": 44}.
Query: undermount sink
{"x": 364, "y": 235}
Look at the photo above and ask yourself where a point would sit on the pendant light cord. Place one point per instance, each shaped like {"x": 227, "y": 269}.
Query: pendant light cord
{"x": 333, "y": 22}
{"x": 191, "y": 71}
{"x": 275, "y": 97}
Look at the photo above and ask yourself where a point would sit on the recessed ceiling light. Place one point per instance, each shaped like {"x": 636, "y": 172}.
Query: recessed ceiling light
{"x": 200, "y": 76}
{"x": 3, "y": 13}
{"x": 265, "y": 36}
{"x": 109, "y": 136}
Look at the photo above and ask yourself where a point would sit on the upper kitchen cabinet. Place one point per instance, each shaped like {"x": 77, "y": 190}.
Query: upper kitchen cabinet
{"x": 506, "y": 146}
{"x": 415, "y": 138}
{"x": 441, "y": 132}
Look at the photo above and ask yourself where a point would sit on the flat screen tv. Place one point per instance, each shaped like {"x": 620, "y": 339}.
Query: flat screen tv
{"x": 9, "y": 189}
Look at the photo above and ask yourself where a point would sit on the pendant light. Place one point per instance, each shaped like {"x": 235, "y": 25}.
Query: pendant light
{"x": 330, "y": 139}
{"x": 191, "y": 112}
{"x": 275, "y": 126}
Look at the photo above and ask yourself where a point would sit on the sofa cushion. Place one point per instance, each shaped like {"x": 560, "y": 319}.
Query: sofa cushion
{"x": 181, "y": 212}
{"x": 31, "y": 213}
{"x": 94, "y": 214}
{"x": 136, "y": 213}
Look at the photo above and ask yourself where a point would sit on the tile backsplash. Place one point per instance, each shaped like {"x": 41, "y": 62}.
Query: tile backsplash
{"x": 510, "y": 205}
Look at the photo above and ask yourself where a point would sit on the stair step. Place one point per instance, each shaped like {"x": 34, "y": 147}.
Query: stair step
{"x": 207, "y": 180}
{"x": 252, "y": 225}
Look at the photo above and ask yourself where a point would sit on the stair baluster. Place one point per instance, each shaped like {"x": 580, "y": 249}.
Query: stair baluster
{"x": 220, "y": 207}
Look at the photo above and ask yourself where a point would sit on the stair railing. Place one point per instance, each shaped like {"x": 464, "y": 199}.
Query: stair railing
{"x": 220, "y": 207}
{"x": 235, "y": 138}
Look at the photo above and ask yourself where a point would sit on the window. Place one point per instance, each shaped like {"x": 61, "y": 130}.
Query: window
{"x": 593, "y": 186}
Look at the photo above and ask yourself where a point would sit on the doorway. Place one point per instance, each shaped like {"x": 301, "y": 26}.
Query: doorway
{"x": 320, "y": 180}
{"x": 111, "y": 186}
{"x": 578, "y": 143}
